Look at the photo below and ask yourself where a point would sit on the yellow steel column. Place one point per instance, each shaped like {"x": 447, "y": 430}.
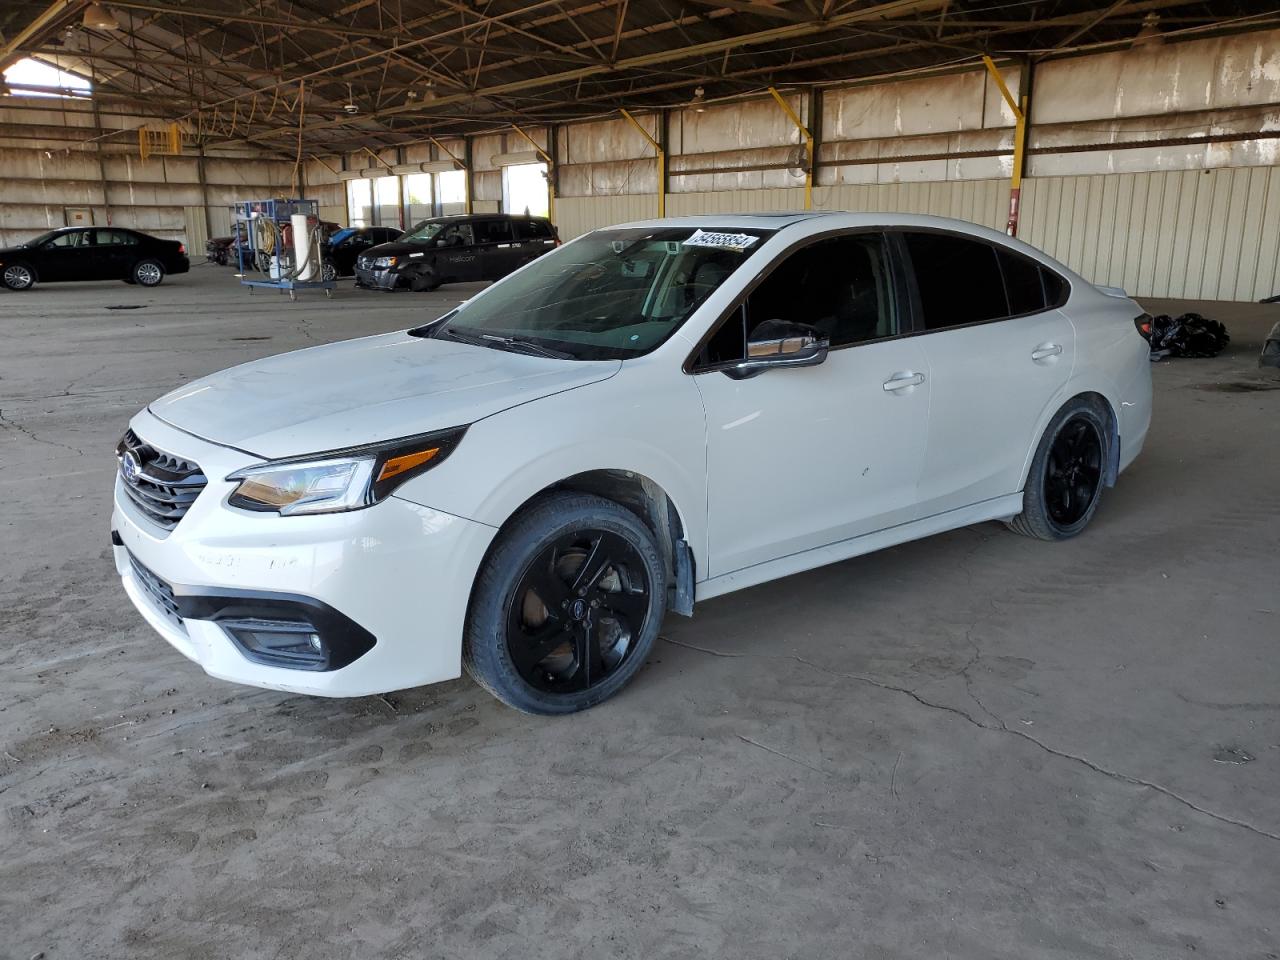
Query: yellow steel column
{"x": 808, "y": 147}
{"x": 546, "y": 158}
{"x": 1019, "y": 144}
{"x": 662, "y": 161}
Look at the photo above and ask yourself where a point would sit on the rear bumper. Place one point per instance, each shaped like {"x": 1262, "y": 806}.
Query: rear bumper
{"x": 180, "y": 265}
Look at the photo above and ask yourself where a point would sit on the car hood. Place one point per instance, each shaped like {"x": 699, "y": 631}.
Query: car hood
{"x": 364, "y": 391}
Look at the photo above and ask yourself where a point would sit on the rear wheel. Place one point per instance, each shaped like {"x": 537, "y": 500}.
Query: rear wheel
{"x": 1067, "y": 475}
{"x": 148, "y": 273}
{"x": 18, "y": 276}
{"x": 566, "y": 606}
{"x": 328, "y": 272}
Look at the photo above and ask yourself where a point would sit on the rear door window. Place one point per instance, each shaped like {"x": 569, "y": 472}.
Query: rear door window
{"x": 1022, "y": 283}
{"x": 493, "y": 231}
{"x": 958, "y": 280}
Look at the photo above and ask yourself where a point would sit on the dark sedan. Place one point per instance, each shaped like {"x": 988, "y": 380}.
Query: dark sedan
{"x": 92, "y": 253}
{"x": 348, "y": 243}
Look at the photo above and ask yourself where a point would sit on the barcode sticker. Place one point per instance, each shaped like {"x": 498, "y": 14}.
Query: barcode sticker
{"x": 730, "y": 241}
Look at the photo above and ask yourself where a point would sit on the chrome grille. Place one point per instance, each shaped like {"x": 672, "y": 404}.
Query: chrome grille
{"x": 161, "y": 485}
{"x": 160, "y": 593}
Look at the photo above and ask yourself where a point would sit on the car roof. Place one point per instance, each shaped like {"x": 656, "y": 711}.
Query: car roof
{"x": 481, "y": 216}
{"x": 821, "y": 220}
{"x": 765, "y": 220}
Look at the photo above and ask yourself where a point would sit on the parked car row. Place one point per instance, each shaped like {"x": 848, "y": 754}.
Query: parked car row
{"x": 453, "y": 249}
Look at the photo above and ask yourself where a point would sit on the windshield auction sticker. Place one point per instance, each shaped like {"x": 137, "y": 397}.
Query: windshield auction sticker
{"x": 731, "y": 241}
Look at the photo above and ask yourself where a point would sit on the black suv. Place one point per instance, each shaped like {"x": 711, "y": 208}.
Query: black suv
{"x": 456, "y": 249}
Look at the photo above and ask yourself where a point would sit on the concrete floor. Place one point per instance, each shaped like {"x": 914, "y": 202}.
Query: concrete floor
{"x": 973, "y": 746}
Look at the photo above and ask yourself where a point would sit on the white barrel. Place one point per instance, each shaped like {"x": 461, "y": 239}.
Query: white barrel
{"x": 302, "y": 254}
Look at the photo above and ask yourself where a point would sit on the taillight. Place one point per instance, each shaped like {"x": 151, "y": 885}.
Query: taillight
{"x": 1143, "y": 323}
{"x": 182, "y": 248}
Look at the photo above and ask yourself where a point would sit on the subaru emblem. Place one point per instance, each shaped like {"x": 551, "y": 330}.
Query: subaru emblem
{"x": 130, "y": 466}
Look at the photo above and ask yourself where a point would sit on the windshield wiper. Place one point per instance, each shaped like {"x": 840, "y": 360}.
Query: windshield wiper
{"x": 529, "y": 346}
{"x": 496, "y": 340}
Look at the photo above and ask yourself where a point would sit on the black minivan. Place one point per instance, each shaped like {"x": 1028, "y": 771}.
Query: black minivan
{"x": 457, "y": 249}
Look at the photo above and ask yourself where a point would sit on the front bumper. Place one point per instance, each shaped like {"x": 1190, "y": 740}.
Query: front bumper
{"x": 377, "y": 279}
{"x": 397, "y": 572}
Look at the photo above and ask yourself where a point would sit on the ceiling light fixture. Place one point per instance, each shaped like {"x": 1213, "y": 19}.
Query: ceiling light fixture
{"x": 1149, "y": 34}
{"x": 97, "y": 17}
{"x": 699, "y": 100}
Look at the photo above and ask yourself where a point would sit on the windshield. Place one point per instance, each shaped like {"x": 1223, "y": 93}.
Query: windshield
{"x": 43, "y": 238}
{"x": 612, "y": 294}
{"x": 424, "y": 231}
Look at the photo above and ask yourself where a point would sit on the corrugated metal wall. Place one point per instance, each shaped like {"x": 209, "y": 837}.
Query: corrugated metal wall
{"x": 1198, "y": 234}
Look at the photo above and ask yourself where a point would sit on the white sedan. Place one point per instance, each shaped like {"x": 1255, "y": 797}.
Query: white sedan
{"x": 651, "y": 415}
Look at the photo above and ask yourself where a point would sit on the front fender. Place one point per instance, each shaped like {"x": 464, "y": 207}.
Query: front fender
{"x": 628, "y": 423}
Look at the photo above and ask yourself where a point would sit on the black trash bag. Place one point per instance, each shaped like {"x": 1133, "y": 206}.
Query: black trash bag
{"x": 1189, "y": 335}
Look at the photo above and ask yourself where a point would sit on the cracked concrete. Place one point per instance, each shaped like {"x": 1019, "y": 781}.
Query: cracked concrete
{"x": 976, "y": 746}
{"x": 1000, "y": 726}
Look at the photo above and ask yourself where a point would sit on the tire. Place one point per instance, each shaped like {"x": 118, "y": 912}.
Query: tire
{"x": 1068, "y": 473}
{"x": 424, "y": 282}
{"x": 18, "y": 276}
{"x": 148, "y": 273}
{"x": 539, "y": 558}
{"x": 328, "y": 272}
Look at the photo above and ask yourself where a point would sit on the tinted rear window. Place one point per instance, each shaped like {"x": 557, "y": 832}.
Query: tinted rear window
{"x": 532, "y": 229}
{"x": 492, "y": 231}
{"x": 959, "y": 280}
{"x": 1021, "y": 283}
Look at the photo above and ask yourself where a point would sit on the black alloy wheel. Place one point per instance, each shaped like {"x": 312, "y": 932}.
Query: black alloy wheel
{"x": 1074, "y": 472}
{"x": 576, "y": 614}
{"x": 566, "y": 605}
{"x": 1068, "y": 471}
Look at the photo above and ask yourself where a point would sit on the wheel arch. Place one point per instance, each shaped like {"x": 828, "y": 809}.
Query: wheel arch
{"x": 1078, "y": 390}
{"x": 651, "y": 503}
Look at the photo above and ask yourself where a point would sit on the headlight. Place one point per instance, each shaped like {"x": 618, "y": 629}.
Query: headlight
{"x": 383, "y": 262}
{"x": 340, "y": 479}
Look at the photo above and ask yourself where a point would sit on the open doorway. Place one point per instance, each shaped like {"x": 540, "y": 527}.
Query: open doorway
{"x": 524, "y": 189}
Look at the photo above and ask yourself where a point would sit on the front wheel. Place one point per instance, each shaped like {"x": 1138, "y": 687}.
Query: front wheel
{"x": 148, "y": 273}
{"x": 18, "y": 276}
{"x": 566, "y": 606}
{"x": 1067, "y": 475}
{"x": 424, "y": 282}
{"x": 328, "y": 272}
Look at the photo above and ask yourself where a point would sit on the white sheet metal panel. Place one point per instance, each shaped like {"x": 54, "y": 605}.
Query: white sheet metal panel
{"x": 577, "y": 215}
{"x": 979, "y": 201}
{"x": 1211, "y": 234}
{"x": 734, "y": 201}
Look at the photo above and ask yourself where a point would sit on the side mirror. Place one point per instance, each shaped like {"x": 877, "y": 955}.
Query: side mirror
{"x": 779, "y": 343}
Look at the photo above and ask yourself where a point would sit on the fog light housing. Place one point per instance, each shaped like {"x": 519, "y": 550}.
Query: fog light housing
{"x": 293, "y": 644}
